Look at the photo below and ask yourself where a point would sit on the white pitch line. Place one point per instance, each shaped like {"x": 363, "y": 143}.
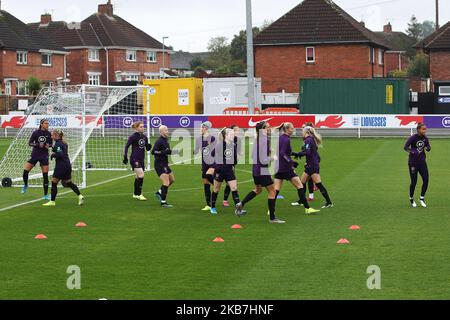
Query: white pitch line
{"x": 108, "y": 195}
{"x": 67, "y": 192}
{"x": 102, "y": 183}
{"x": 64, "y": 193}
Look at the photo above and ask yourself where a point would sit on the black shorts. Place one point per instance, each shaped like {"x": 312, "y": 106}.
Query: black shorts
{"x": 289, "y": 175}
{"x": 224, "y": 174}
{"x": 263, "y": 181}
{"x": 160, "y": 170}
{"x": 310, "y": 171}
{"x": 63, "y": 173}
{"x": 42, "y": 161}
{"x": 205, "y": 170}
{"x": 137, "y": 165}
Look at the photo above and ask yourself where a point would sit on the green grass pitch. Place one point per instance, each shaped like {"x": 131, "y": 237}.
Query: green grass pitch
{"x": 133, "y": 250}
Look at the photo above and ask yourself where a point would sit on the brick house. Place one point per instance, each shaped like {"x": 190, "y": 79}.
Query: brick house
{"x": 316, "y": 39}
{"x": 401, "y": 49}
{"x": 105, "y": 48}
{"x": 24, "y": 53}
{"x": 437, "y": 46}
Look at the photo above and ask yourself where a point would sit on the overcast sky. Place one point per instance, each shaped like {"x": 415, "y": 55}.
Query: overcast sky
{"x": 191, "y": 23}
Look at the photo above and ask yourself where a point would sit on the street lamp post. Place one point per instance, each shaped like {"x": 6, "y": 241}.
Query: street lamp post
{"x": 164, "y": 57}
{"x": 250, "y": 60}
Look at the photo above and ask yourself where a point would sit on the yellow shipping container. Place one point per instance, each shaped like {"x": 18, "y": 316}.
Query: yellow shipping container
{"x": 175, "y": 96}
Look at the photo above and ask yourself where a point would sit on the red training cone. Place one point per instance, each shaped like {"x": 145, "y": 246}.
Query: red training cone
{"x": 237, "y": 226}
{"x": 81, "y": 225}
{"x": 343, "y": 241}
{"x": 355, "y": 228}
{"x": 218, "y": 239}
{"x": 40, "y": 237}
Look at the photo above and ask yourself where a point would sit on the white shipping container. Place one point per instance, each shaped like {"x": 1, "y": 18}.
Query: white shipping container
{"x": 222, "y": 93}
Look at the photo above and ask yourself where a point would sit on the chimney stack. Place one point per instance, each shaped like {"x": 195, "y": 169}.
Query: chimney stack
{"x": 106, "y": 8}
{"x": 387, "y": 28}
{"x": 46, "y": 18}
{"x": 363, "y": 23}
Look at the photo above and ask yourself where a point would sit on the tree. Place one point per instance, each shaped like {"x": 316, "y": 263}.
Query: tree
{"x": 219, "y": 53}
{"x": 428, "y": 27}
{"x": 238, "y": 47}
{"x": 414, "y": 28}
{"x": 197, "y": 62}
{"x": 419, "y": 67}
{"x": 34, "y": 85}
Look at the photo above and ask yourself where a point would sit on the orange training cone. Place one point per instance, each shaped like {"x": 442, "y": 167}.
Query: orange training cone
{"x": 236, "y": 227}
{"x": 218, "y": 239}
{"x": 40, "y": 237}
{"x": 343, "y": 241}
{"x": 81, "y": 225}
{"x": 355, "y": 228}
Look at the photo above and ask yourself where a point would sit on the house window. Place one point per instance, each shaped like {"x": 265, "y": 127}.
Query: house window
{"x": 8, "y": 88}
{"x": 380, "y": 57}
{"x": 94, "y": 55}
{"x": 131, "y": 55}
{"x": 310, "y": 54}
{"x": 132, "y": 77}
{"x": 94, "y": 79}
{"x": 21, "y": 88}
{"x": 22, "y": 57}
{"x": 372, "y": 55}
{"x": 151, "y": 56}
{"x": 444, "y": 91}
{"x": 46, "y": 59}
{"x": 152, "y": 76}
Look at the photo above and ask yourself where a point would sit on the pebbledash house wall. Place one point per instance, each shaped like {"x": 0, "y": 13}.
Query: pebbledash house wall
{"x": 282, "y": 67}
{"x": 440, "y": 65}
{"x": 34, "y": 67}
{"x": 78, "y": 64}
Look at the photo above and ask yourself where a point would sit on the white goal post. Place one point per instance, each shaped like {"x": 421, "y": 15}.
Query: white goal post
{"x": 86, "y": 114}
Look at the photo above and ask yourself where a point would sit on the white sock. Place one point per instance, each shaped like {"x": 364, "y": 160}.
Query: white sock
{"x": 311, "y": 195}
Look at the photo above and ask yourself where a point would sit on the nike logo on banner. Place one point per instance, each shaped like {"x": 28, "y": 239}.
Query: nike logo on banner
{"x": 253, "y": 124}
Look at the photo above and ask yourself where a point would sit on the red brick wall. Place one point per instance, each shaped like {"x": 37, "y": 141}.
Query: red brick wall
{"x": 392, "y": 62}
{"x": 117, "y": 60}
{"x": 33, "y": 68}
{"x": 440, "y": 65}
{"x": 281, "y": 67}
{"x": 78, "y": 65}
{"x": 10, "y": 68}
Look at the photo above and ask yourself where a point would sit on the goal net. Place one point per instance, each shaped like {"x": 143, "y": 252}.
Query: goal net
{"x": 88, "y": 116}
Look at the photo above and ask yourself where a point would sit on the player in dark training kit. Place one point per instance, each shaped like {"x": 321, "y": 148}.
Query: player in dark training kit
{"x": 63, "y": 169}
{"x": 139, "y": 145}
{"x": 262, "y": 157}
{"x": 417, "y": 146}
{"x": 162, "y": 151}
{"x": 225, "y": 159}
{"x": 41, "y": 141}
{"x": 206, "y": 144}
{"x": 312, "y": 168}
{"x": 238, "y": 153}
{"x": 286, "y": 166}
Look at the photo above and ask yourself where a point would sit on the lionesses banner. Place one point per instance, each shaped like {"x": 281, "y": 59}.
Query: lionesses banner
{"x": 221, "y": 121}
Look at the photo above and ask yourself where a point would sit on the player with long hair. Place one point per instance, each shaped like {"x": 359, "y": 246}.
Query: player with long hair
{"x": 139, "y": 144}
{"x": 286, "y": 166}
{"x": 312, "y": 168}
{"x": 417, "y": 146}
{"x": 162, "y": 151}
{"x": 225, "y": 158}
{"x": 41, "y": 141}
{"x": 262, "y": 157}
{"x": 63, "y": 169}
{"x": 205, "y": 145}
{"x": 311, "y": 186}
{"x": 238, "y": 153}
